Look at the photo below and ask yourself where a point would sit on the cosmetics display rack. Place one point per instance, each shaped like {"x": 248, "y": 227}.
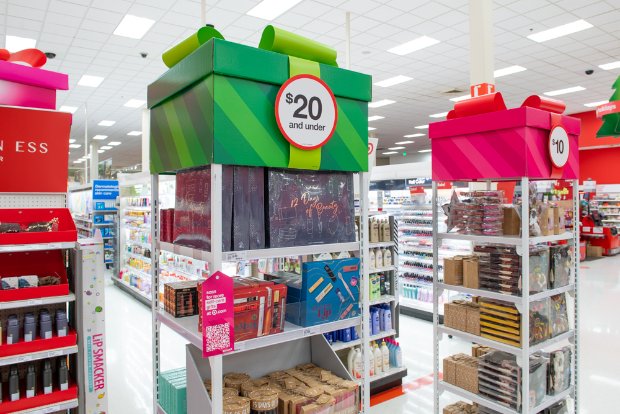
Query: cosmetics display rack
{"x": 303, "y": 343}
{"x": 524, "y": 304}
{"x": 70, "y": 346}
{"x": 91, "y": 216}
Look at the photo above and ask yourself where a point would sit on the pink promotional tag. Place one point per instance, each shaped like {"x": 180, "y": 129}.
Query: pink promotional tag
{"x": 218, "y": 315}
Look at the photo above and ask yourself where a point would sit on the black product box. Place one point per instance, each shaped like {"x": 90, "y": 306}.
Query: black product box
{"x": 309, "y": 208}
{"x": 248, "y": 206}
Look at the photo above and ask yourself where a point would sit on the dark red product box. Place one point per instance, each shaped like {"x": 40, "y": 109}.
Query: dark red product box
{"x": 181, "y": 298}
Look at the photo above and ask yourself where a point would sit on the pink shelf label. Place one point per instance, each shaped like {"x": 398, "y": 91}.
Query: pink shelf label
{"x": 218, "y": 315}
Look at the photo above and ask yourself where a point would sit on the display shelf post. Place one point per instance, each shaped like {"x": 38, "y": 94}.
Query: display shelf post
{"x": 524, "y": 361}
{"x": 365, "y": 260}
{"x": 576, "y": 309}
{"x": 435, "y": 297}
{"x": 155, "y": 287}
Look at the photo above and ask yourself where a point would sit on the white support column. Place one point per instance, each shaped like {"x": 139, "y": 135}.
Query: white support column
{"x": 525, "y": 293}
{"x": 155, "y": 288}
{"x": 146, "y": 141}
{"x": 216, "y": 362}
{"x": 347, "y": 28}
{"x": 94, "y": 161}
{"x": 86, "y": 162}
{"x": 364, "y": 179}
{"x": 481, "y": 42}
{"x": 203, "y": 12}
{"x": 436, "y": 294}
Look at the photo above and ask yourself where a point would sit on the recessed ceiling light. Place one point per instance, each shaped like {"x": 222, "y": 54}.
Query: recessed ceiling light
{"x": 439, "y": 115}
{"x": 375, "y": 118}
{"x": 393, "y": 81}
{"x": 594, "y": 104}
{"x": 134, "y": 133}
{"x": 67, "y": 108}
{"x": 559, "y": 31}
{"x": 133, "y": 27}
{"x": 565, "y": 91}
{"x": 395, "y": 148}
{"x": 270, "y": 9}
{"x": 413, "y": 45}
{"x": 75, "y": 145}
{"x": 611, "y": 65}
{"x": 134, "y": 103}
{"x": 403, "y": 142}
{"x": 106, "y": 147}
{"x": 421, "y": 127}
{"x": 114, "y": 143}
{"x": 16, "y": 43}
{"x": 460, "y": 98}
{"x": 508, "y": 71}
{"x": 71, "y": 141}
{"x": 382, "y": 102}
{"x": 427, "y": 150}
{"x": 389, "y": 152}
{"x": 100, "y": 137}
{"x": 100, "y": 151}
{"x": 413, "y": 135}
{"x": 90, "y": 80}
{"x": 106, "y": 123}
{"x": 371, "y": 128}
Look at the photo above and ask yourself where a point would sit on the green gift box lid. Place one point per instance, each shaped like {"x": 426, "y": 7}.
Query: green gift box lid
{"x": 217, "y": 106}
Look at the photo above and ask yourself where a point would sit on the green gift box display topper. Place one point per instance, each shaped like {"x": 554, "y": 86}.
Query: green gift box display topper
{"x": 217, "y": 105}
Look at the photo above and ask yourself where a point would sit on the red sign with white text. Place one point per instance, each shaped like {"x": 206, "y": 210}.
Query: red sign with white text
{"x": 416, "y": 190}
{"x": 444, "y": 185}
{"x": 34, "y": 150}
{"x": 608, "y": 108}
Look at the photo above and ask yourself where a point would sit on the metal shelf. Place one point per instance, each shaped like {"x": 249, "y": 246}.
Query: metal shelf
{"x": 384, "y": 334}
{"x": 137, "y": 293}
{"x": 137, "y": 208}
{"x": 105, "y": 211}
{"x": 382, "y": 269}
{"x": 391, "y": 372}
{"x": 105, "y": 223}
{"x": 444, "y": 386}
{"x": 381, "y": 244}
{"x": 383, "y": 299}
{"x": 505, "y": 297}
{"x": 339, "y": 346}
{"x": 509, "y": 240}
{"x": 9, "y": 248}
{"x": 37, "y": 302}
{"x": 51, "y": 408}
{"x": 33, "y": 356}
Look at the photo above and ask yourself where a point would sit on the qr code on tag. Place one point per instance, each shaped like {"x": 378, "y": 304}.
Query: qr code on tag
{"x": 218, "y": 337}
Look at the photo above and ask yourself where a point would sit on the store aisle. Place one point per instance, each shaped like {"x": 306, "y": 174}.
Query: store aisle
{"x": 128, "y": 324}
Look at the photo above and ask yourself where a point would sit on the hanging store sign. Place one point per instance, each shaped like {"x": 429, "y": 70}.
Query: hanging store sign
{"x": 218, "y": 315}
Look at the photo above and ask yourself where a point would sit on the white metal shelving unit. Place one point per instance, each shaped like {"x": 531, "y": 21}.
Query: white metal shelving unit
{"x": 521, "y": 302}
{"x": 188, "y": 327}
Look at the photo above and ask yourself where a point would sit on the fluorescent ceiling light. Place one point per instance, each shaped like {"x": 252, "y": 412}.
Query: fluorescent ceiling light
{"x": 413, "y": 135}
{"x": 508, "y": 71}
{"x": 100, "y": 151}
{"x": 611, "y": 65}
{"x": 565, "y": 91}
{"x": 594, "y": 104}
{"x": 560, "y": 31}
{"x": 106, "y": 123}
{"x": 389, "y": 152}
{"x": 71, "y": 141}
{"x": 106, "y": 147}
{"x": 134, "y": 133}
{"x": 270, "y": 9}
{"x": 382, "y": 102}
{"x": 66, "y": 108}
{"x": 393, "y": 81}
{"x": 78, "y": 161}
{"x": 133, "y": 27}
{"x": 375, "y": 118}
{"x": 425, "y": 150}
{"x": 460, "y": 98}
{"x": 421, "y": 127}
{"x": 16, "y": 43}
{"x": 413, "y": 45}
{"x": 75, "y": 145}
{"x": 439, "y": 115}
{"x": 114, "y": 143}
{"x": 404, "y": 142}
{"x": 395, "y": 148}
{"x": 134, "y": 103}
{"x": 90, "y": 80}
{"x": 371, "y": 128}
{"x": 100, "y": 137}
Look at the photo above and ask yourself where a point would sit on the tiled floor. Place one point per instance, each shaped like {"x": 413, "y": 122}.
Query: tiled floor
{"x": 129, "y": 350}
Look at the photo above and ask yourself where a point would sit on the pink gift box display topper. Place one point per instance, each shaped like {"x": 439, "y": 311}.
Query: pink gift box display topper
{"x": 24, "y": 83}
{"x": 482, "y": 140}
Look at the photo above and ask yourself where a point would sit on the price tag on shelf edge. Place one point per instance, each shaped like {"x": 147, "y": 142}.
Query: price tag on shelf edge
{"x": 559, "y": 147}
{"x": 306, "y": 112}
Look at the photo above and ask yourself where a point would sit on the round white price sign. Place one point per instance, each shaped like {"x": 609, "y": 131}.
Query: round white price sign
{"x": 306, "y": 112}
{"x": 559, "y": 147}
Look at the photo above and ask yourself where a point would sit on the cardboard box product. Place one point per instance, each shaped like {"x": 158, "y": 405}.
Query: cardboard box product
{"x": 471, "y": 277}
{"x": 473, "y": 318}
{"x": 467, "y": 374}
{"x": 455, "y": 315}
{"x": 453, "y": 270}
{"x": 326, "y": 291}
{"x": 181, "y": 298}
{"x": 449, "y": 370}
{"x": 512, "y": 221}
{"x": 594, "y": 251}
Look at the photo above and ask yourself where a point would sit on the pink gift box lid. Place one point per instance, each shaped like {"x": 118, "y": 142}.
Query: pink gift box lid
{"x": 494, "y": 121}
{"x": 42, "y": 78}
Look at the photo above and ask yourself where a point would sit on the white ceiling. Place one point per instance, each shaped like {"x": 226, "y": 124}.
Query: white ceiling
{"x": 80, "y": 33}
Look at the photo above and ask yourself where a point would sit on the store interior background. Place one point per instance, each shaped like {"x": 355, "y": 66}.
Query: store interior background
{"x": 80, "y": 34}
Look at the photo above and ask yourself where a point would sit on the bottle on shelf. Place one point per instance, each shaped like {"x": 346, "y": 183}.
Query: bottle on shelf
{"x": 350, "y": 361}
{"x": 387, "y": 257}
{"x": 385, "y": 352}
{"x": 378, "y": 258}
{"x": 31, "y": 382}
{"x": 378, "y": 356}
{"x": 385, "y": 231}
{"x": 374, "y": 230}
{"x": 373, "y": 361}
{"x": 358, "y": 364}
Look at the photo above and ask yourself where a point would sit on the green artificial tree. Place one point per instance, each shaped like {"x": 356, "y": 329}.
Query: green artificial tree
{"x": 611, "y": 122}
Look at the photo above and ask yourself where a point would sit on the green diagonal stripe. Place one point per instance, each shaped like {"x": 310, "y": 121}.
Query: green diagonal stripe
{"x": 179, "y": 138}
